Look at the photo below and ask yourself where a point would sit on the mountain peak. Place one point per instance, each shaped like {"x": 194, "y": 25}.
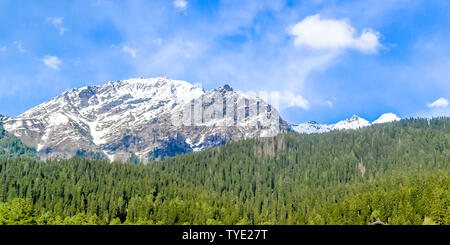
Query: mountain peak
{"x": 224, "y": 89}
{"x": 353, "y": 118}
{"x": 387, "y": 117}
{"x": 227, "y": 87}
{"x": 354, "y": 122}
{"x": 156, "y": 81}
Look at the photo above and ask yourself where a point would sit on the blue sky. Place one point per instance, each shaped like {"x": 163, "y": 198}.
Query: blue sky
{"x": 328, "y": 59}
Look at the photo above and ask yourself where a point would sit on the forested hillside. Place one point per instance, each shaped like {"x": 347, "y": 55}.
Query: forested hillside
{"x": 398, "y": 173}
{"x": 11, "y": 146}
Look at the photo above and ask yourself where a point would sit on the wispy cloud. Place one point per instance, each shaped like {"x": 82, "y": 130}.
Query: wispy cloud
{"x": 52, "y": 62}
{"x": 333, "y": 34}
{"x": 180, "y": 5}
{"x": 2, "y": 49}
{"x": 330, "y": 104}
{"x": 57, "y": 22}
{"x": 289, "y": 99}
{"x": 130, "y": 51}
{"x": 441, "y": 102}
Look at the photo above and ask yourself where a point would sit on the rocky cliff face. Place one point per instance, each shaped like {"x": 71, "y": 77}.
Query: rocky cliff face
{"x": 148, "y": 118}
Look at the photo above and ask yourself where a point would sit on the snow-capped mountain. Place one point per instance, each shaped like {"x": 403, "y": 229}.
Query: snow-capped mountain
{"x": 354, "y": 122}
{"x": 386, "y": 118}
{"x": 311, "y": 127}
{"x": 151, "y": 118}
{"x": 3, "y": 118}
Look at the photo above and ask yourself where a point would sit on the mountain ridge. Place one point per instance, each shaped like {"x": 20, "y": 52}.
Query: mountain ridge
{"x": 355, "y": 122}
{"x": 151, "y": 118}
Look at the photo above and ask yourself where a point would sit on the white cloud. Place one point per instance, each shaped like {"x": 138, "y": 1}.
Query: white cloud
{"x": 52, "y": 62}
{"x": 441, "y": 102}
{"x": 3, "y": 49}
{"x": 57, "y": 22}
{"x": 333, "y": 34}
{"x": 130, "y": 51}
{"x": 289, "y": 99}
{"x": 181, "y": 5}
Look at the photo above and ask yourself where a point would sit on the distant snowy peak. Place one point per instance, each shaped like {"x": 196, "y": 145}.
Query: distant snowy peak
{"x": 354, "y": 122}
{"x": 311, "y": 127}
{"x": 386, "y": 118}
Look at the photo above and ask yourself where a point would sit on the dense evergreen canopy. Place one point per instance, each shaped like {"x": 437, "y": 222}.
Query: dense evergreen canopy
{"x": 397, "y": 173}
{"x": 11, "y": 146}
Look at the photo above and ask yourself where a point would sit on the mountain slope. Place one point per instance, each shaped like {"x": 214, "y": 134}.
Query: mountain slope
{"x": 150, "y": 118}
{"x": 11, "y": 146}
